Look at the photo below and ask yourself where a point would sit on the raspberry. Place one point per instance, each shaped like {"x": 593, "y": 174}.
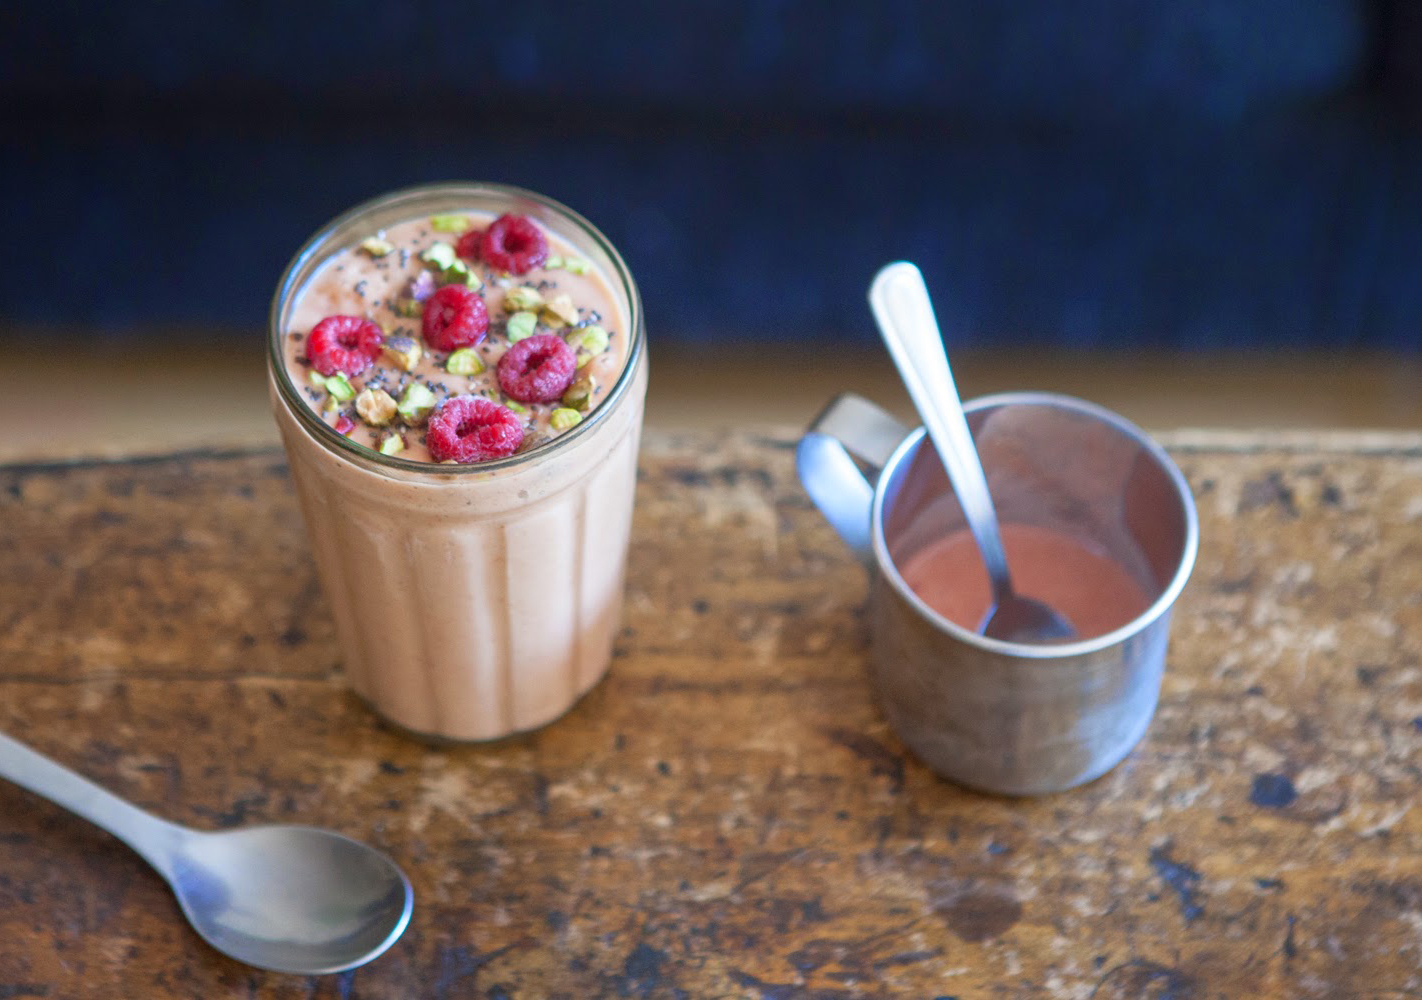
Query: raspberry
{"x": 468, "y": 245}
{"x": 538, "y": 369}
{"x": 513, "y": 244}
{"x": 455, "y": 317}
{"x": 472, "y": 429}
{"x": 344, "y": 425}
{"x": 345, "y": 344}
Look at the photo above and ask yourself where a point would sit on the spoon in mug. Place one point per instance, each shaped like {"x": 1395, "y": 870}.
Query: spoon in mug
{"x": 286, "y": 898}
{"x": 901, "y": 306}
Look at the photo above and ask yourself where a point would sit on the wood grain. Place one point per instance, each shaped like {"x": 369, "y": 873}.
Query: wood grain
{"x": 728, "y": 815}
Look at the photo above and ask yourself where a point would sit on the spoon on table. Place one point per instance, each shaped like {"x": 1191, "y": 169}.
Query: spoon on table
{"x": 285, "y": 898}
{"x": 899, "y": 300}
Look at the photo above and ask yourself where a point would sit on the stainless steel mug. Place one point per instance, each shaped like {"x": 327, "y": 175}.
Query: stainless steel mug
{"x": 1009, "y": 718}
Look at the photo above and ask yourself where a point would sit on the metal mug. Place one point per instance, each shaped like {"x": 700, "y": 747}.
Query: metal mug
{"x": 1002, "y": 717}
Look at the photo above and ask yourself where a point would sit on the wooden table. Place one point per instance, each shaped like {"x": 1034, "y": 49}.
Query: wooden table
{"x": 728, "y": 815}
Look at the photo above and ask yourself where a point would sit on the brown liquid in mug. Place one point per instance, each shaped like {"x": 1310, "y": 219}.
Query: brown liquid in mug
{"x": 1093, "y": 591}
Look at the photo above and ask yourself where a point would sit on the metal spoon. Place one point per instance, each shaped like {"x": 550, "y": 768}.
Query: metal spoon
{"x": 286, "y": 898}
{"x": 901, "y": 306}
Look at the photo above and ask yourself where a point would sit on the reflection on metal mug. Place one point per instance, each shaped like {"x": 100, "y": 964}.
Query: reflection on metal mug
{"x": 1003, "y": 717}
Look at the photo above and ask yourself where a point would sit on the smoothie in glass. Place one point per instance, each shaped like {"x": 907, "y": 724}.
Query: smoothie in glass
{"x": 458, "y": 374}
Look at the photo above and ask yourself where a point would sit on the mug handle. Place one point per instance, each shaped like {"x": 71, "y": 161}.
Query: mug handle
{"x": 850, "y": 425}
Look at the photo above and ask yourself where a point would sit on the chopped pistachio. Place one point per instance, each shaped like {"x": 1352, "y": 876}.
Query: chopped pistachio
{"x": 409, "y": 308}
{"x": 576, "y": 265}
{"x": 553, "y": 262}
{"x": 376, "y": 407}
{"x": 403, "y": 352}
{"x": 339, "y": 388}
{"x": 560, "y": 311}
{"x": 416, "y": 403}
{"x": 333, "y": 405}
{"x": 420, "y": 287}
{"x": 520, "y": 326}
{"x": 465, "y": 361}
{"x": 449, "y": 223}
{"x": 377, "y": 247}
{"x": 392, "y": 444}
{"x": 563, "y": 418}
{"x": 585, "y": 359}
{"x": 317, "y": 379}
{"x": 521, "y": 297}
{"x": 459, "y": 272}
{"x": 591, "y": 338}
{"x": 441, "y": 255}
{"x": 580, "y": 393}
{"x": 516, "y": 406}
{"x": 531, "y": 441}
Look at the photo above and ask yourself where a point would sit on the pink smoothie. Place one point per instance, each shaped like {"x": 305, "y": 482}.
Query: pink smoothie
{"x": 470, "y": 601}
{"x": 1093, "y": 591}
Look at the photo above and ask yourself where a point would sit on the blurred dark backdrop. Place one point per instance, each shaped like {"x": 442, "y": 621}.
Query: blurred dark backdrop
{"x": 1100, "y": 173}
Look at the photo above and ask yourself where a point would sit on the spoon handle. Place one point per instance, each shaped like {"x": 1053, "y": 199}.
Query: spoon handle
{"x": 904, "y": 312}
{"x": 151, "y": 837}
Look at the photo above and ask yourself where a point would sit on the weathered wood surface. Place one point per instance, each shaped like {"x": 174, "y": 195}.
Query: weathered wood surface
{"x": 727, "y": 815}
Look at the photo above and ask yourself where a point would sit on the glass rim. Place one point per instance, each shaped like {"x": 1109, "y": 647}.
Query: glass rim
{"x": 316, "y": 245}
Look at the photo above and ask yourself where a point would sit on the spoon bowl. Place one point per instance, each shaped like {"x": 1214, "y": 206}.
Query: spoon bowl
{"x": 286, "y": 898}
{"x": 901, "y": 306}
{"x": 1025, "y": 619}
{"x": 291, "y": 898}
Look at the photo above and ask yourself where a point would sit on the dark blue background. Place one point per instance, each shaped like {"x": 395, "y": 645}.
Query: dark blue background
{"x": 1098, "y": 173}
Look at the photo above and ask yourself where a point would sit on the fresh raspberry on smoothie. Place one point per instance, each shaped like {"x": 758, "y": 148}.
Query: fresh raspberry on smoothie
{"x": 473, "y": 429}
{"x": 538, "y": 369}
{"x": 512, "y": 243}
{"x": 455, "y": 317}
{"x": 343, "y": 345}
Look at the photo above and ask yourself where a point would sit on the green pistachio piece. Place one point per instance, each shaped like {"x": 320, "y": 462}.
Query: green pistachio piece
{"x": 377, "y": 247}
{"x": 521, "y": 297}
{"x": 576, "y": 265}
{"x": 591, "y": 339}
{"x": 459, "y": 272}
{"x": 339, "y": 388}
{"x": 465, "y": 361}
{"x": 416, "y": 403}
{"x": 516, "y": 406}
{"x": 563, "y": 418}
{"x": 580, "y": 393}
{"x": 585, "y": 359}
{"x": 409, "y": 308}
{"x": 520, "y": 326}
{"x": 317, "y": 379}
{"x": 441, "y": 255}
{"x": 553, "y": 262}
{"x": 376, "y": 407}
{"x": 403, "y": 352}
{"x": 333, "y": 405}
{"x": 560, "y": 311}
{"x": 449, "y": 223}
{"x": 392, "y": 444}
